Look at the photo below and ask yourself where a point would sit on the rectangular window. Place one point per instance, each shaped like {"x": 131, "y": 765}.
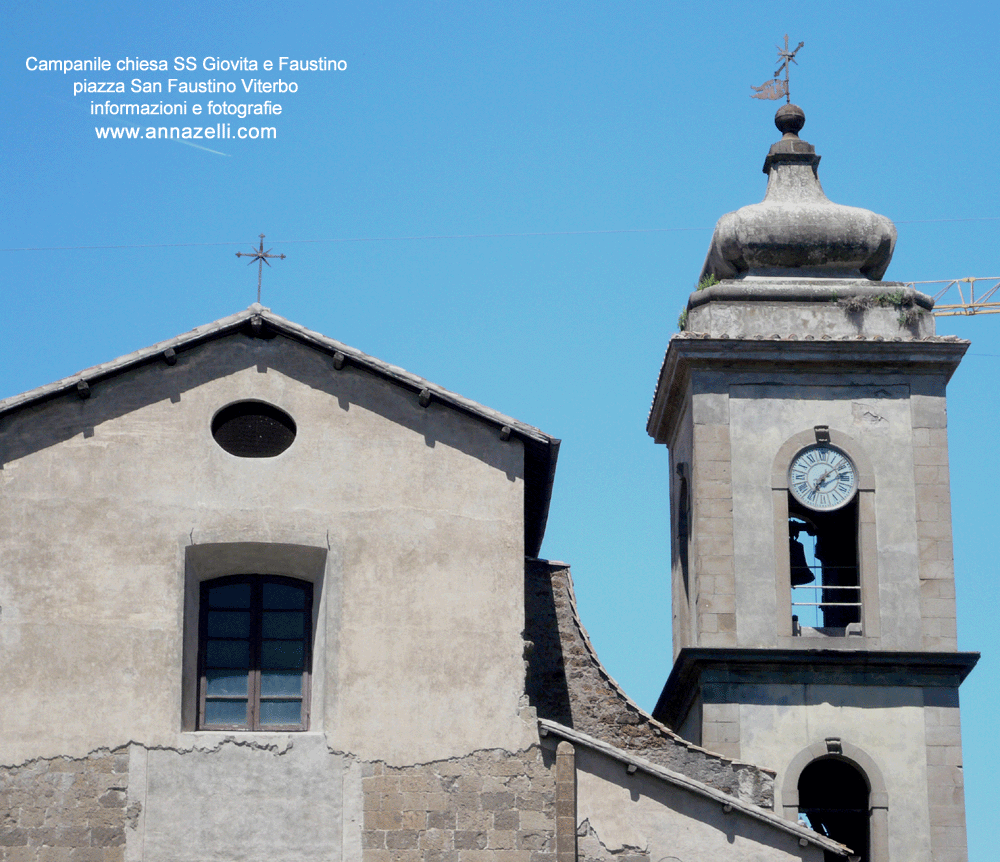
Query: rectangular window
{"x": 254, "y": 653}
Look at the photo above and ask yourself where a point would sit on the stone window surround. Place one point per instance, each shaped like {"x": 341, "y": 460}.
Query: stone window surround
{"x": 209, "y": 560}
{"x": 867, "y": 549}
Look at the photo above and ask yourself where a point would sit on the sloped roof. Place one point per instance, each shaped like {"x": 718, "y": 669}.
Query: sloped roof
{"x": 568, "y": 685}
{"x": 540, "y": 450}
{"x": 668, "y": 776}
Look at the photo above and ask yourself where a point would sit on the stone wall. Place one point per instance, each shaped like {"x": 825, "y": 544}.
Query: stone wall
{"x": 65, "y": 810}
{"x": 636, "y": 816}
{"x": 566, "y": 683}
{"x": 492, "y": 806}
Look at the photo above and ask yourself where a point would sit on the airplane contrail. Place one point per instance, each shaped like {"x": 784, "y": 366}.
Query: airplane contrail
{"x": 206, "y": 149}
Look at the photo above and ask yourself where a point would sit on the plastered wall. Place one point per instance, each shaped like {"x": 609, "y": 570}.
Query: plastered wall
{"x": 415, "y": 514}
{"x": 635, "y": 815}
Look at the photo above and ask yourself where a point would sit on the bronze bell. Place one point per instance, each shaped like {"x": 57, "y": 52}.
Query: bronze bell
{"x": 801, "y": 573}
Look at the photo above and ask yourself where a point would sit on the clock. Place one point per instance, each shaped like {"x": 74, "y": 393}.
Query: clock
{"x": 822, "y": 478}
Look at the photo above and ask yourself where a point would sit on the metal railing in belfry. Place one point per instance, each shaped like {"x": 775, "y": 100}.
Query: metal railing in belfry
{"x": 832, "y": 596}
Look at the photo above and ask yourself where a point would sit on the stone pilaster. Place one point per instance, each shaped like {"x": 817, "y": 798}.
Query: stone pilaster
{"x": 566, "y": 802}
{"x": 715, "y": 582}
{"x": 933, "y": 498}
{"x": 945, "y": 779}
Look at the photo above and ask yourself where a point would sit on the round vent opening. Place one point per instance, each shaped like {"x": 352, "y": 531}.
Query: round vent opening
{"x": 253, "y": 429}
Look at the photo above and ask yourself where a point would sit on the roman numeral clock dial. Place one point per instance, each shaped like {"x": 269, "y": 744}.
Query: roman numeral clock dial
{"x": 823, "y": 478}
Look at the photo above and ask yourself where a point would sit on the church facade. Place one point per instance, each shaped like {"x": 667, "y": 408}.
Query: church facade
{"x": 267, "y": 597}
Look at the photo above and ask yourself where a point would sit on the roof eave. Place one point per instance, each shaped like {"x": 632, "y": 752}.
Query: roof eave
{"x": 541, "y": 450}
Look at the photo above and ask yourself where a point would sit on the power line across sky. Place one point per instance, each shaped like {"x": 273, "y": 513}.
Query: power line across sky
{"x": 510, "y": 235}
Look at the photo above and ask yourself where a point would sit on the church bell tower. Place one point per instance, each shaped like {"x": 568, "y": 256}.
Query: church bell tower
{"x": 814, "y": 628}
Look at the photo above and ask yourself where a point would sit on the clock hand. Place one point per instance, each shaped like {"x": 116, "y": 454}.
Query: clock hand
{"x": 822, "y": 478}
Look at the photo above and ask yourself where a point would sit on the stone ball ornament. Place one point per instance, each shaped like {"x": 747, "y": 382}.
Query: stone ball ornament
{"x": 790, "y": 119}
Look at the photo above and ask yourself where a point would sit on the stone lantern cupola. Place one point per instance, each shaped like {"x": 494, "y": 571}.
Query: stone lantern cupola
{"x": 819, "y": 262}
{"x": 797, "y": 231}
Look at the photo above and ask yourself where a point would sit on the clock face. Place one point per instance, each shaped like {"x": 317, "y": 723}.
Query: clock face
{"x": 822, "y": 477}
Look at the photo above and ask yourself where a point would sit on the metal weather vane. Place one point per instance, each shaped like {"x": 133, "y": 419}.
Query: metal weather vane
{"x": 261, "y": 257}
{"x": 776, "y": 88}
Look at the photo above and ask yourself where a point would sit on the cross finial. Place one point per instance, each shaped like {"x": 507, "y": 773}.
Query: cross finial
{"x": 788, "y": 58}
{"x": 776, "y": 88}
{"x": 261, "y": 257}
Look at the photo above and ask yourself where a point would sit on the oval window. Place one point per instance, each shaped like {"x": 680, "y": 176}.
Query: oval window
{"x": 253, "y": 429}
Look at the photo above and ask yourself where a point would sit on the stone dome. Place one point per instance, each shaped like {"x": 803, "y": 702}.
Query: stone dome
{"x": 797, "y": 231}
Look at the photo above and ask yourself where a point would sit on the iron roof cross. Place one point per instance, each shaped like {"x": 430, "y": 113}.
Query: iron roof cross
{"x": 261, "y": 257}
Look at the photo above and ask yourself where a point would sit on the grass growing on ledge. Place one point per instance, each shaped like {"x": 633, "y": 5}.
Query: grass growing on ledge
{"x": 908, "y": 312}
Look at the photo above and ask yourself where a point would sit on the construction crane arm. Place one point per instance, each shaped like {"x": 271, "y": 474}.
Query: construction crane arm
{"x": 986, "y": 302}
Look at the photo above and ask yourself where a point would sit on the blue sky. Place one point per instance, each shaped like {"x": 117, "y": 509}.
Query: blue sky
{"x": 582, "y": 152}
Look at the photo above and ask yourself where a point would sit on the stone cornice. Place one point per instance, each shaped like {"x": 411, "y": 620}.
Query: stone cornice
{"x": 932, "y": 355}
{"x": 804, "y": 667}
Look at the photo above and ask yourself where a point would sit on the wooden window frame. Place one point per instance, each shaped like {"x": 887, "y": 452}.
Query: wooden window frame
{"x": 253, "y": 696}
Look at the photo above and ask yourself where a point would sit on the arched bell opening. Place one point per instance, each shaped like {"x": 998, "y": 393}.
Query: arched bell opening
{"x": 826, "y": 566}
{"x": 823, "y": 563}
{"x": 684, "y": 529}
{"x": 834, "y": 800}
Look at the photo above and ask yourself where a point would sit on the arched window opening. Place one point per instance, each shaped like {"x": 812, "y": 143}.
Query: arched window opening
{"x": 825, "y": 577}
{"x": 834, "y": 801}
{"x": 683, "y": 526}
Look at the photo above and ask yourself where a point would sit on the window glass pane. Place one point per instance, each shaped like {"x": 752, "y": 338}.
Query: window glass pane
{"x": 226, "y": 712}
{"x": 280, "y": 712}
{"x": 230, "y": 596}
{"x": 284, "y": 624}
{"x": 229, "y": 624}
{"x": 223, "y": 682}
{"x": 277, "y": 683}
{"x": 284, "y": 597}
{"x": 227, "y": 654}
{"x": 281, "y": 654}
{"x": 254, "y": 647}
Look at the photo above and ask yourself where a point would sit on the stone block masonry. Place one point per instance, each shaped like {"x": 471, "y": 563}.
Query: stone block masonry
{"x": 65, "y": 810}
{"x": 492, "y": 806}
{"x": 945, "y": 776}
{"x": 713, "y": 532}
{"x": 567, "y": 684}
{"x": 937, "y": 584}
